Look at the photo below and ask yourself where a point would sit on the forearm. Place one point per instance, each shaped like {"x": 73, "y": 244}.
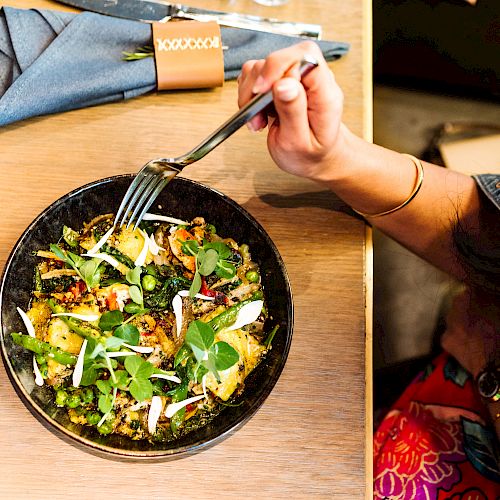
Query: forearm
{"x": 373, "y": 179}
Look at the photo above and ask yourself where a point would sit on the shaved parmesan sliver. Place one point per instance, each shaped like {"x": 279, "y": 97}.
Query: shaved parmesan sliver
{"x": 27, "y": 322}
{"x": 185, "y": 293}
{"x": 154, "y": 413}
{"x": 78, "y": 371}
{"x": 38, "y": 375}
{"x": 177, "y": 307}
{"x": 164, "y": 218}
{"x": 83, "y": 317}
{"x": 101, "y": 242}
{"x": 141, "y": 260}
{"x": 119, "y": 354}
{"x": 104, "y": 256}
{"x": 173, "y": 408}
{"x": 140, "y": 348}
{"x": 247, "y": 314}
{"x": 172, "y": 378}
{"x": 153, "y": 246}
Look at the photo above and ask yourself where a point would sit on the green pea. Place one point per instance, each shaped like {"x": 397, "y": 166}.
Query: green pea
{"x": 61, "y": 397}
{"x": 87, "y": 395}
{"x": 210, "y": 228}
{"x": 93, "y": 417}
{"x": 148, "y": 282}
{"x": 105, "y": 428}
{"x": 73, "y": 401}
{"x": 252, "y": 276}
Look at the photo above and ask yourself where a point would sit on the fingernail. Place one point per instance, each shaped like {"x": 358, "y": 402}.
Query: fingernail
{"x": 287, "y": 90}
{"x": 258, "y": 85}
{"x": 251, "y": 127}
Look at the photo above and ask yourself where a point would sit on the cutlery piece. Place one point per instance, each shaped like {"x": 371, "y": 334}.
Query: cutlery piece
{"x": 145, "y": 10}
{"x": 156, "y": 174}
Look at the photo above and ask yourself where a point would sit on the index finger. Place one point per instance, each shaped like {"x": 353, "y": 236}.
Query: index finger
{"x": 285, "y": 62}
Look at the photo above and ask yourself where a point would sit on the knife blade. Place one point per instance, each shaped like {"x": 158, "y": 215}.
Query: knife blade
{"x": 160, "y": 11}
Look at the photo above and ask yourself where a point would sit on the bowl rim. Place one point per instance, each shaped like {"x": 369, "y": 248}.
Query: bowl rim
{"x": 121, "y": 453}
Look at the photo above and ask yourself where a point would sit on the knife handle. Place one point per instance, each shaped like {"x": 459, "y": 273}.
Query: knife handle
{"x": 234, "y": 20}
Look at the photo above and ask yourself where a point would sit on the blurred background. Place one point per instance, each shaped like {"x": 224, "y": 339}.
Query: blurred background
{"x": 436, "y": 96}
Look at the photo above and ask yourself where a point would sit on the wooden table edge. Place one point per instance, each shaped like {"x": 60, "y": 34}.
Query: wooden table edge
{"x": 367, "y": 61}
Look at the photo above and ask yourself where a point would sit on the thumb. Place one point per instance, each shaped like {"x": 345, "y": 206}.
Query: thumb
{"x": 290, "y": 102}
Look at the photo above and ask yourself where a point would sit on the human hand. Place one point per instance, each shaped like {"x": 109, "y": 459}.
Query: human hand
{"x": 305, "y": 133}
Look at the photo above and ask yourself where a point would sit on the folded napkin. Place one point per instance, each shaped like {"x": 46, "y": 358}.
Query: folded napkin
{"x": 56, "y": 61}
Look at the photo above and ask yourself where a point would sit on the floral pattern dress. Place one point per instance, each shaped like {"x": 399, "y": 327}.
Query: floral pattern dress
{"x": 436, "y": 443}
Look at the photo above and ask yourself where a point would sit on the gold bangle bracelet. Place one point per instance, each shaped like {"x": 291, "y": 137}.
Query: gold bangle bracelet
{"x": 416, "y": 189}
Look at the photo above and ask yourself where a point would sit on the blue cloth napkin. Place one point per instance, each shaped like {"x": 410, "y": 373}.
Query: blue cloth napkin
{"x": 56, "y": 61}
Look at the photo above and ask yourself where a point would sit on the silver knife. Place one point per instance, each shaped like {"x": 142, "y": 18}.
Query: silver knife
{"x": 145, "y": 10}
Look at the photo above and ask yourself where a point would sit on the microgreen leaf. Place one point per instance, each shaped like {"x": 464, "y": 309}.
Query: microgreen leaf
{"x": 195, "y": 285}
{"x": 89, "y": 375}
{"x": 140, "y": 371}
{"x": 91, "y": 272}
{"x": 65, "y": 257}
{"x": 56, "y": 249}
{"x": 199, "y": 354}
{"x": 207, "y": 261}
{"x": 221, "y": 248}
{"x": 225, "y": 269}
{"x": 77, "y": 260}
{"x": 200, "y": 335}
{"x": 129, "y": 333}
{"x": 121, "y": 380}
{"x": 135, "y": 294}
{"x": 133, "y": 276}
{"x": 104, "y": 386}
{"x": 110, "y": 319}
{"x": 113, "y": 343}
{"x": 105, "y": 402}
{"x": 190, "y": 247}
{"x": 141, "y": 389}
{"x": 224, "y": 355}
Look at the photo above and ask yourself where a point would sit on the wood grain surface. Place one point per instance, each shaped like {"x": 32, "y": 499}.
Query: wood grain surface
{"x": 310, "y": 438}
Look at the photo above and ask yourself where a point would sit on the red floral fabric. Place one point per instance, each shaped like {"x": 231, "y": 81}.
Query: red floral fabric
{"x": 435, "y": 442}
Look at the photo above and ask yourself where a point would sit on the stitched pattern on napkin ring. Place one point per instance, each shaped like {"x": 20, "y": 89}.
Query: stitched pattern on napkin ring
{"x": 188, "y": 43}
{"x": 188, "y": 55}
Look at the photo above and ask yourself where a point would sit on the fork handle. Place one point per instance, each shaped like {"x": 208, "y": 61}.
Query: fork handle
{"x": 246, "y": 113}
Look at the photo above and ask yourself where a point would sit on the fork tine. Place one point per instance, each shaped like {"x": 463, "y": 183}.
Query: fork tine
{"x": 127, "y": 196}
{"x": 143, "y": 198}
{"x": 139, "y": 184}
{"x": 152, "y": 198}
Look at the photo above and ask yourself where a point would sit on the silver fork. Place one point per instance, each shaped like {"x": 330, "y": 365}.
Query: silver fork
{"x": 156, "y": 174}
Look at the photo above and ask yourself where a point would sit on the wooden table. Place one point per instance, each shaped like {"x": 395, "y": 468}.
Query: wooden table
{"x": 312, "y": 437}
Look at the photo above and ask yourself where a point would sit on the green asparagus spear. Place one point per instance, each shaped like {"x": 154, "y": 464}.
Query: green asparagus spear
{"x": 83, "y": 329}
{"x": 228, "y": 317}
{"x": 40, "y": 347}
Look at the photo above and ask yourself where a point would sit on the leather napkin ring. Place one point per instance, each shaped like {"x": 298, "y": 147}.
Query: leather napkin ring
{"x": 188, "y": 55}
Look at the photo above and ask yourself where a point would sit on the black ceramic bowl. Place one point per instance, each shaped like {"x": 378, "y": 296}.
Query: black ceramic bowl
{"x": 183, "y": 199}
